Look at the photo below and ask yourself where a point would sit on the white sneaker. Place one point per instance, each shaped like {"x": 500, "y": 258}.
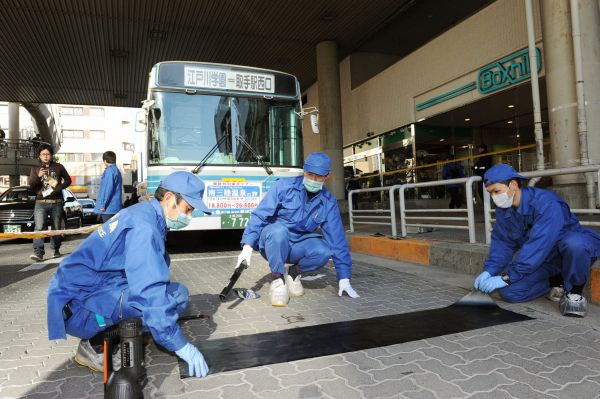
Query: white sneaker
{"x": 86, "y": 356}
{"x": 555, "y": 294}
{"x": 573, "y": 305}
{"x": 278, "y": 293}
{"x": 295, "y": 287}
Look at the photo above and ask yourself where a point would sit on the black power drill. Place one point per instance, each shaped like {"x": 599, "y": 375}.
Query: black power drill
{"x": 127, "y": 382}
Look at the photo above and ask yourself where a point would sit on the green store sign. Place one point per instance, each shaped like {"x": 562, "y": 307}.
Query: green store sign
{"x": 498, "y": 75}
{"x": 507, "y": 71}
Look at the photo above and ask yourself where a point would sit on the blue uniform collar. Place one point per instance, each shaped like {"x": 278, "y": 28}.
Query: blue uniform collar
{"x": 524, "y": 207}
{"x": 160, "y": 217}
{"x": 525, "y": 204}
{"x": 298, "y": 185}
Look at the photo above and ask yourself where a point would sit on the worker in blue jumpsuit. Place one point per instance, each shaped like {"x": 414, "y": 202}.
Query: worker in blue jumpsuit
{"x": 109, "y": 200}
{"x": 122, "y": 271}
{"x": 538, "y": 246}
{"x": 283, "y": 228}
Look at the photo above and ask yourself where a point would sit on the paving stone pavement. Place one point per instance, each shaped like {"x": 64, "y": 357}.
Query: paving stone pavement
{"x": 548, "y": 357}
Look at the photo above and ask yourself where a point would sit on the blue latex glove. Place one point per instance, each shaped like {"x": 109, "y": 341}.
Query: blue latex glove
{"x": 491, "y": 284}
{"x": 194, "y": 359}
{"x": 480, "y": 279}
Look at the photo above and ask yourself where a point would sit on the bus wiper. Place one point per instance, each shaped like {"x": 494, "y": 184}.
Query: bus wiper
{"x": 209, "y": 154}
{"x": 259, "y": 158}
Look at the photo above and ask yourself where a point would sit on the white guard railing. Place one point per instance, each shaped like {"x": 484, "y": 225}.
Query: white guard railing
{"x": 470, "y": 218}
{"x": 366, "y": 216}
{"x": 387, "y": 216}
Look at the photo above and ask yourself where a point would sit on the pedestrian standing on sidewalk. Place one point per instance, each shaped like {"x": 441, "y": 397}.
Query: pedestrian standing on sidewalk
{"x": 483, "y": 164}
{"x": 538, "y": 246}
{"x": 47, "y": 180}
{"x": 283, "y": 228}
{"x": 109, "y": 198}
{"x": 453, "y": 170}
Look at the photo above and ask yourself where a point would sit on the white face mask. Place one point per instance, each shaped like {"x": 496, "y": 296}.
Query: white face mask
{"x": 503, "y": 200}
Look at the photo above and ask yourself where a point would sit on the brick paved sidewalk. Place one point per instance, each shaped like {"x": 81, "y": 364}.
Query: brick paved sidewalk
{"x": 551, "y": 356}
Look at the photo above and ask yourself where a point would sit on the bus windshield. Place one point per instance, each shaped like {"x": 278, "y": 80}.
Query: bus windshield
{"x": 184, "y": 128}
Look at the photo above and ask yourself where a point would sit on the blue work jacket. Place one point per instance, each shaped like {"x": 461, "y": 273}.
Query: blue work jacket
{"x": 533, "y": 229}
{"x": 452, "y": 170}
{"x": 287, "y": 203}
{"x": 128, "y": 252}
{"x": 109, "y": 196}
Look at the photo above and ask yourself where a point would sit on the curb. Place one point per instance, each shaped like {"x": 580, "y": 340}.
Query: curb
{"x": 459, "y": 257}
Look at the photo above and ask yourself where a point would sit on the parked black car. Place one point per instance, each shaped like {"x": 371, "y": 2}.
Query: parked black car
{"x": 88, "y": 205}
{"x": 17, "y": 205}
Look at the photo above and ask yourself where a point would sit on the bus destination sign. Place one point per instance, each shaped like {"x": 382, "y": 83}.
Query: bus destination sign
{"x": 223, "y": 79}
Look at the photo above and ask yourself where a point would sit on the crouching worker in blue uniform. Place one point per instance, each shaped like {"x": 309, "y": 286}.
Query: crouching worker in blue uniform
{"x": 283, "y": 228}
{"x": 122, "y": 271}
{"x": 538, "y": 246}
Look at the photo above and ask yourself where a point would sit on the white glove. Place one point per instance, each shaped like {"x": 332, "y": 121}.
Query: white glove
{"x": 245, "y": 255}
{"x": 345, "y": 286}
{"x": 194, "y": 359}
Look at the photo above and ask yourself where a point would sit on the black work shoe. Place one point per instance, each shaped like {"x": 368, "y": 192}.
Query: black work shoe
{"x": 57, "y": 253}
{"x": 36, "y": 256}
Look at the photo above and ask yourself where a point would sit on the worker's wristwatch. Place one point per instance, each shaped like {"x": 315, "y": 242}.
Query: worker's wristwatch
{"x": 505, "y": 278}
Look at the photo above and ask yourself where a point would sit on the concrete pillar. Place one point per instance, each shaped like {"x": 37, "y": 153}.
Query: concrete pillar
{"x": 13, "y": 121}
{"x": 13, "y": 134}
{"x": 330, "y": 114}
{"x": 589, "y": 15}
{"x": 562, "y": 98}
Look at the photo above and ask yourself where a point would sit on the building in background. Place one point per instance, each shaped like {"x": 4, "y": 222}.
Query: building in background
{"x": 89, "y": 131}
{"x": 26, "y": 131}
{"x": 85, "y": 133}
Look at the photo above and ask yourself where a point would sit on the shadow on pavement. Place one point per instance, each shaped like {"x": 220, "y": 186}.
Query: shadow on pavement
{"x": 13, "y": 274}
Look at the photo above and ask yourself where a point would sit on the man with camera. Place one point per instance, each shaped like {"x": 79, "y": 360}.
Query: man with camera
{"x": 47, "y": 180}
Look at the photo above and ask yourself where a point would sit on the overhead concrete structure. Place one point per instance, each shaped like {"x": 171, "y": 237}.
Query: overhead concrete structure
{"x": 100, "y": 52}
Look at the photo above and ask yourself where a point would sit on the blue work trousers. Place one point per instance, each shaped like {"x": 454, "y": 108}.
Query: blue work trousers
{"x": 275, "y": 246}
{"x": 84, "y": 324}
{"x": 572, "y": 258}
{"x": 40, "y": 216}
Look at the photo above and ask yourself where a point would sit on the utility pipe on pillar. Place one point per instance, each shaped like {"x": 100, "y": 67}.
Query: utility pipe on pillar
{"x": 581, "y": 114}
{"x": 535, "y": 88}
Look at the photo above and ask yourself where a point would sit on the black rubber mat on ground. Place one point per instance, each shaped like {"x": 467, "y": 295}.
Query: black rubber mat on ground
{"x": 347, "y": 336}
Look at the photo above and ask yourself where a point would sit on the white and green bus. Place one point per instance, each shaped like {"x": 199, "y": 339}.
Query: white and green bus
{"x": 237, "y": 128}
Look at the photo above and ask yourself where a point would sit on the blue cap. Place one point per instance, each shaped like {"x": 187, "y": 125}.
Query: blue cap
{"x": 317, "y": 163}
{"x": 190, "y": 187}
{"x": 499, "y": 173}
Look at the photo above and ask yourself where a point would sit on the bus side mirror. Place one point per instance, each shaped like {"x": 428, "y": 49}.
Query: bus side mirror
{"x": 314, "y": 123}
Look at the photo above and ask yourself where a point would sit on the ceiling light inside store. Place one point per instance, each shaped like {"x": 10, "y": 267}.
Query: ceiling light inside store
{"x": 509, "y": 122}
{"x": 420, "y": 120}
{"x": 511, "y": 106}
{"x": 442, "y": 139}
{"x": 467, "y": 119}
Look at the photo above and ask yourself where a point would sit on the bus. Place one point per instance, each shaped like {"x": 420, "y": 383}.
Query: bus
{"x": 239, "y": 129}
